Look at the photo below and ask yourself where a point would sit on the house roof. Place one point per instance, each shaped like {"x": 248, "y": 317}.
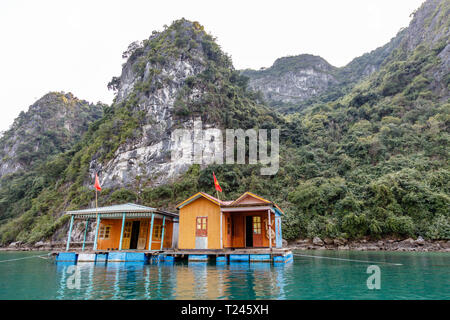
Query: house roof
{"x": 241, "y": 199}
{"x": 121, "y": 208}
{"x": 239, "y": 202}
{"x": 204, "y": 195}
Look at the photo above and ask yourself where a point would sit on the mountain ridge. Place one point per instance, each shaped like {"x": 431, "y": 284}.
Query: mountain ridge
{"x": 51, "y": 125}
{"x": 369, "y": 160}
{"x": 285, "y": 89}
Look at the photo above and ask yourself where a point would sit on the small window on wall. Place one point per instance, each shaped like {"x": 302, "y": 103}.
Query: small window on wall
{"x": 257, "y": 225}
{"x": 157, "y": 231}
{"x": 104, "y": 232}
{"x": 201, "y": 229}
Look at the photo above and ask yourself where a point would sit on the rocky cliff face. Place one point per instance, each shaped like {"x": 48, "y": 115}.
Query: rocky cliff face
{"x": 50, "y": 126}
{"x": 148, "y": 154}
{"x": 174, "y": 79}
{"x": 430, "y": 28}
{"x": 293, "y": 79}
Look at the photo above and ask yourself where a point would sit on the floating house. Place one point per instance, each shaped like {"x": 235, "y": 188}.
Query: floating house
{"x": 247, "y": 222}
{"x": 128, "y": 227}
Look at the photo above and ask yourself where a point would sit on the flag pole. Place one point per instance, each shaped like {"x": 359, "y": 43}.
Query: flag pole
{"x": 96, "y": 210}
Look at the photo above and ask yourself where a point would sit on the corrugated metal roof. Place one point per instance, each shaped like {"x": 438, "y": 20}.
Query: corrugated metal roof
{"x": 121, "y": 208}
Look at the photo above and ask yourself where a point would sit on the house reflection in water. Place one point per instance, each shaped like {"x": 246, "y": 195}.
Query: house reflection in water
{"x": 196, "y": 280}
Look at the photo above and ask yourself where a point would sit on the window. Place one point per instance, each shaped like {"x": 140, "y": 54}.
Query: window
{"x": 228, "y": 225}
{"x": 157, "y": 231}
{"x": 257, "y": 225}
{"x": 127, "y": 230}
{"x": 144, "y": 229}
{"x": 105, "y": 232}
{"x": 202, "y": 227}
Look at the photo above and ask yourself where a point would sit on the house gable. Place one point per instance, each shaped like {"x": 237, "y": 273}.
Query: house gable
{"x": 249, "y": 198}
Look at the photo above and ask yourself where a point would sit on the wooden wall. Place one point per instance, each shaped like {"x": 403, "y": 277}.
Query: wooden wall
{"x": 113, "y": 242}
{"x": 116, "y": 226}
{"x": 238, "y": 226}
{"x": 200, "y": 207}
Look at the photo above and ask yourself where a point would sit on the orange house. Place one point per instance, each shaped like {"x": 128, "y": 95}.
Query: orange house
{"x": 247, "y": 222}
{"x": 129, "y": 227}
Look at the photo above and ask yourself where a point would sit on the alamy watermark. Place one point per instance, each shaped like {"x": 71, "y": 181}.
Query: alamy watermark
{"x": 74, "y": 280}
{"x": 205, "y": 146}
{"x": 374, "y": 280}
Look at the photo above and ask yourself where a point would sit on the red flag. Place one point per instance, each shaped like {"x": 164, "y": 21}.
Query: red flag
{"x": 97, "y": 183}
{"x": 216, "y": 183}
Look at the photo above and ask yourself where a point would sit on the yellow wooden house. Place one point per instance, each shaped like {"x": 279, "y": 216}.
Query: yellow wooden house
{"x": 128, "y": 227}
{"x": 250, "y": 221}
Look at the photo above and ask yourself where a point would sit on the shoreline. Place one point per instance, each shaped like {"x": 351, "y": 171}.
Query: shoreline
{"x": 406, "y": 245}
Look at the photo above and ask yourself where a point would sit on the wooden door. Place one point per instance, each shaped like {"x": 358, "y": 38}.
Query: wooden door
{"x": 257, "y": 231}
{"x": 228, "y": 231}
{"x": 135, "y": 234}
{"x": 143, "y": 235}
{"x": 238, "y": 222}
{"x": 201, "y": 233}
{"x": 127, "y": 235}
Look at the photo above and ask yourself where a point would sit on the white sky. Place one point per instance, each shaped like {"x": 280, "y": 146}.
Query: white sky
{"x": 76, "y": 46}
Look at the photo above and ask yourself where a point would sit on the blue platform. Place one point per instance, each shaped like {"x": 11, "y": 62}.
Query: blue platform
{"x": 101, "y": 257}
{"x": 284, "y": 259}
{"x": 260, "y": 257}
{"x": 127, "y": 257}
{"x": 221, "y": 259}
{"x": 67, "y": 257}
{"x": 239, "y": 257}
{"x": 167, "y": 258}
{"x": 136, "y": 256}
{"x": 198, "y": 257}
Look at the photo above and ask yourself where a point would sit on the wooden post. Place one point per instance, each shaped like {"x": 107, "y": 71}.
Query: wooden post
{"x": 85, "y": 233}
{"x": 270, "y": 230}
{"x": 221, "y": 232}
{"x": 162, "y": 236}
{"x": 96, "y": 231}
{"x": 70, "y": 232}
{"x": 121, "y": 232}
{"x": 150, "y": 237}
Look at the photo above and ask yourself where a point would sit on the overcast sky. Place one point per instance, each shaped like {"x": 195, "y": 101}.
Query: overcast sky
{"x": 76, "y": 46}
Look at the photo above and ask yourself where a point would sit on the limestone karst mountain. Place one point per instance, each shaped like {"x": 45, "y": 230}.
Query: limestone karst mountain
{"x": 366, "y": 155}
{"x": 51, "y": 125}
{"x": 295, "y": 82}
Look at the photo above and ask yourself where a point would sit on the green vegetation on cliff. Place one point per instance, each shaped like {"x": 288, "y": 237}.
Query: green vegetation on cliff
{"x": 370, "y": 162}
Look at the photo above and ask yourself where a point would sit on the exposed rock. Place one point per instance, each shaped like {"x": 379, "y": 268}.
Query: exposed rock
{"x": 328, "y": 241}
{"x": 317, "y": 241}
{"x": 293, "y": 79}
{"x": 40, "y": 244}
{"x": 420, "y": 241}
{"x": 60, "y": 116}
{"x": 154, "y": 153}
{"x": 15, "y": 244}
{"x": 408, "y": 241}
{"x": 340, "y": 241}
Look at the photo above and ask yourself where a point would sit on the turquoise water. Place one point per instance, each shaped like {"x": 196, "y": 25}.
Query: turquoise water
{"x": 420, "y": 276}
